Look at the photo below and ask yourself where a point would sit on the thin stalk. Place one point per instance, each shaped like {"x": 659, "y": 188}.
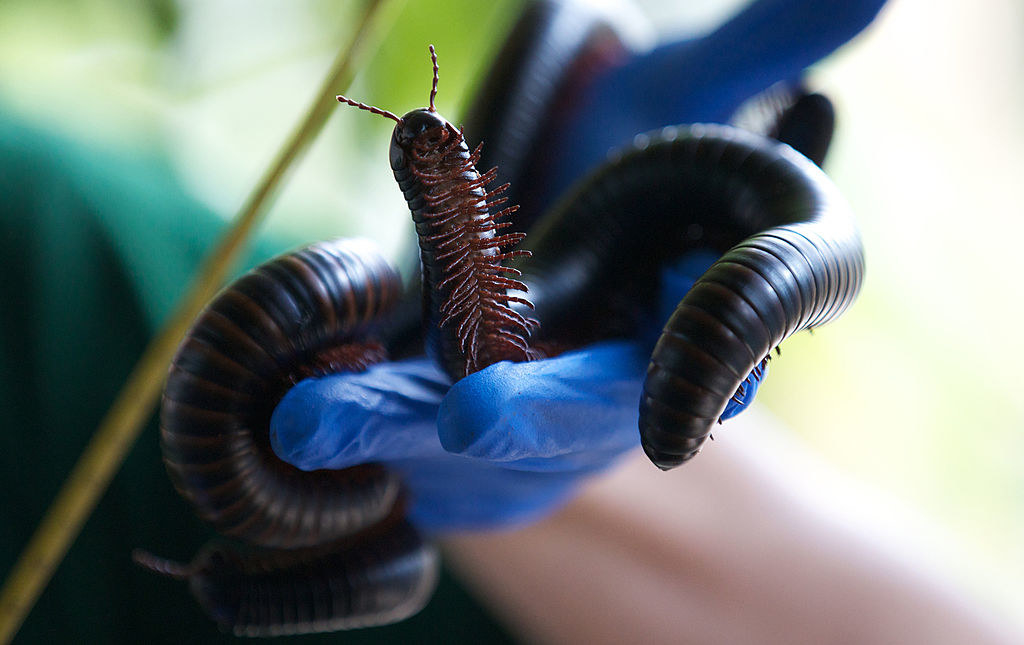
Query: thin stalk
{"x": 134, "y": 404}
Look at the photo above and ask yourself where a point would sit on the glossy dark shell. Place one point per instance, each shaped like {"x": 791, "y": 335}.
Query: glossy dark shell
{"x": 376, "y": 579}
{"x": 254, "y": 341}
{"x": 792, "y": 114}
{"x": 792, "y": 260}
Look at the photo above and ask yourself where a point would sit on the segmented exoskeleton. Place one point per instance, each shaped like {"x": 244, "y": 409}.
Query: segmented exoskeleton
{"x": 318, "y": 561}
{"x": 376, "y": 577}
{"x": 792, "y": 260}
{"x": 301, "y": 314}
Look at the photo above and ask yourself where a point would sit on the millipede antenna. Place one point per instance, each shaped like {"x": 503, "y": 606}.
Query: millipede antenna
{"x": 433, "y": 89}
{"x": 369, "y": 108}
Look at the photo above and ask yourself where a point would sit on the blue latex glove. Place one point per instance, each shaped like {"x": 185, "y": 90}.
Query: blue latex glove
{"x": 508, "y": 444}
{"x": 503, "y": 446}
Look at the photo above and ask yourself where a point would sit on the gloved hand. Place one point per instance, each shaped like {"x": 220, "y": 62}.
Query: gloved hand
{"x": 502, "y": 446}
{"x": 508, "y": 444}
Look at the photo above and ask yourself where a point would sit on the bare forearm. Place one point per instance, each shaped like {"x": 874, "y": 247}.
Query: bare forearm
{"x": 719, "y": 551}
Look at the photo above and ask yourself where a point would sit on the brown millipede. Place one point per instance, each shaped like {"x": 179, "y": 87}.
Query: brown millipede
{"x": 465, "y": 286}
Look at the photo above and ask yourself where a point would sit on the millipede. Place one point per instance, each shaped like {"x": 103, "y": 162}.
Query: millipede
{"x": 470, "y": 321}
{"x": 376, "y": 577}
{"x": 313, "y": 537}
{"x": 790, "y": 259}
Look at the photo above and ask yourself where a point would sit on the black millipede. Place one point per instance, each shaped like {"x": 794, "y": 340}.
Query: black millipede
{"x": 792, "y": 260}
{"x": 317, "y": 559}
{"x": 302, "y": 314}
{"x": 376, "y": 577}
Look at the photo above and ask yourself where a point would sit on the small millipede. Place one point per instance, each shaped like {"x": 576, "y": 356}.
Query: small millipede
{"x": 792, "y": 259}
{"x": 554, "y": 49}
{"x": 469, "y": 317}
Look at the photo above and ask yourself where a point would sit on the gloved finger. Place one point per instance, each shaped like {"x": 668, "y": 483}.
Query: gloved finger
{"x": 570, "y": 413}
{"x": 461, "y": 493}
{"x": 387, "y": 412}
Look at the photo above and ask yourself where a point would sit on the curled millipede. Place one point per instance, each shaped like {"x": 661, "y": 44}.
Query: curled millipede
{"x": 303, "y": 313}
{"x": 792, "y": 260}
{"x": 378, "y": 577}
{"x": 319, "y": 558}
{"x": 470, "y": 321}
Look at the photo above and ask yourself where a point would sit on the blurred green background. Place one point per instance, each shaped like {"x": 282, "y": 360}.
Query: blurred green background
{"x": 915, "y": 393}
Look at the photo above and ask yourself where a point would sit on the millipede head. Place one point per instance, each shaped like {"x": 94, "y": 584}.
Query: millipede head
{"x": 422, "y": 128}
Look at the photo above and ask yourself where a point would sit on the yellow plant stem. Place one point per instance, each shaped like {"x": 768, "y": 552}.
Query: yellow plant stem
{"x": 131, "y": 409}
